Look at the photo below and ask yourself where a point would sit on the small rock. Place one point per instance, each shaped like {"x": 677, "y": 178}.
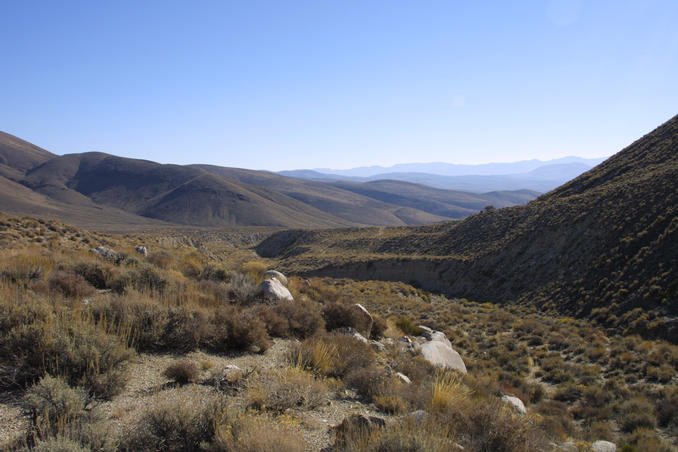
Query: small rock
{"x": 604, "y": 446}
{"x": 515, "y": 402}
{"x": 404, "y": 378}
{"x": 275, "y": 291}
{"x": 274, "y": 274}
{"x": 378, "y": 346}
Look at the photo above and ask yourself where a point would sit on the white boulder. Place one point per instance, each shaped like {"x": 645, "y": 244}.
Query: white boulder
{"x": 274, "y": 274}
{"x": 603, "y": 446}
{"x": 441, "y": 354}
{"x": 275, "y": 291}
{"x": 515, "y": 402}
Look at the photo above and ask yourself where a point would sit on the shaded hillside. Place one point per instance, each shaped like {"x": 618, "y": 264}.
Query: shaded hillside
{"x": 18, "y": 156}
{"x": 171, "y": 193}
{"x": 600, "y": 246}
{"x": 382, "y": 202}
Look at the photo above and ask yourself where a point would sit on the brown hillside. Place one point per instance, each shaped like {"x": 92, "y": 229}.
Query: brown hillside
{"x": 18, "y": 156}
{"x": 604, "y": 245}
{"x": 171, "y": 193}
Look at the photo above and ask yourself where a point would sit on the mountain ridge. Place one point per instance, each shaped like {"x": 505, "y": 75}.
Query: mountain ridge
{"x": 602, "y": 246}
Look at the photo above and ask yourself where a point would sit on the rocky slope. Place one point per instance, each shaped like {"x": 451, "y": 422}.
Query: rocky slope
{"x": 604, "y": 245}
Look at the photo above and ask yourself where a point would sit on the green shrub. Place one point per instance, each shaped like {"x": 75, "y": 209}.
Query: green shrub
{"x": 53, "y": 404}
{"x": 35, "y": 340}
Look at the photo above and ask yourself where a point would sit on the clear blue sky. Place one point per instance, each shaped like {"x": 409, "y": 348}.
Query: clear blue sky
{"x": 283, "y": 84}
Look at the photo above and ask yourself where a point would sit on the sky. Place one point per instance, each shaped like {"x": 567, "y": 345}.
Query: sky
{"x": 337, "y": 84}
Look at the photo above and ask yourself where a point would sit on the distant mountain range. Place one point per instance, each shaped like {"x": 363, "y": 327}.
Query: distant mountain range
{"x": 108, "y": 192}
{"x": 536, "y": 175}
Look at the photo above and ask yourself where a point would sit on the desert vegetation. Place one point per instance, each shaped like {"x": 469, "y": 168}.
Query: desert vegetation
{"x": 178, "y": 350}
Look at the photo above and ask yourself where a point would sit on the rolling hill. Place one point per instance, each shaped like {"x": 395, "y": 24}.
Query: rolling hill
{"x": 604, "y": 246}
{"x": 95, "y": 189}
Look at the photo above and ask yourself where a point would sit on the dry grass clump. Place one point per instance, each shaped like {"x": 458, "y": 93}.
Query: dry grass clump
{"x": 333, "y": 354}
{"x": 182, "y": 371}
{"x": 247, "y": 432}
{"x": 447, "y": 391}
{"x": 280, "y": 390}
{"x": 244, "y": 287}
{"x": 407, "y": 435}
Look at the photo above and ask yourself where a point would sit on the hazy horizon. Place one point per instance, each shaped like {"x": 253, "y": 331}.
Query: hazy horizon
{"x": 308, "y": 85}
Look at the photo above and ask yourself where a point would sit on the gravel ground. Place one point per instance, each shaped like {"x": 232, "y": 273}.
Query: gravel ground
{"x": 146, "y": 381}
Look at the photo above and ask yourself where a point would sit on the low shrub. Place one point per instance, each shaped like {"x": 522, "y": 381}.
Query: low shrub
{"x": 53, "y": 404}
{"x": 182, "y": 371}
{"x": 301, "y": 318}
{"x": 369, "y": 382}
{"x": 238, "y": 329}
{"x": 343, "y": 315}
{"x": 36, "y": 340}
{"x": 70, "y": 285}
{"x": 284, "y": 389}
{"x": 378, "y": 327}
{"x": 177, "y": 420}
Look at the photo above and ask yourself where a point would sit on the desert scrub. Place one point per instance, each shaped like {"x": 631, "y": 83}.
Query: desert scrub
{"x": 52, "y": 403}
{"x": 70, "y": 285}
{"x": 176, "y": 420}
{"x": 279, "y": 390}
{"x": 60, "y": 419}
{"x": 299, "y": 318}
{"x": 37, "y": 338}
{"x": 182, "y": 371}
